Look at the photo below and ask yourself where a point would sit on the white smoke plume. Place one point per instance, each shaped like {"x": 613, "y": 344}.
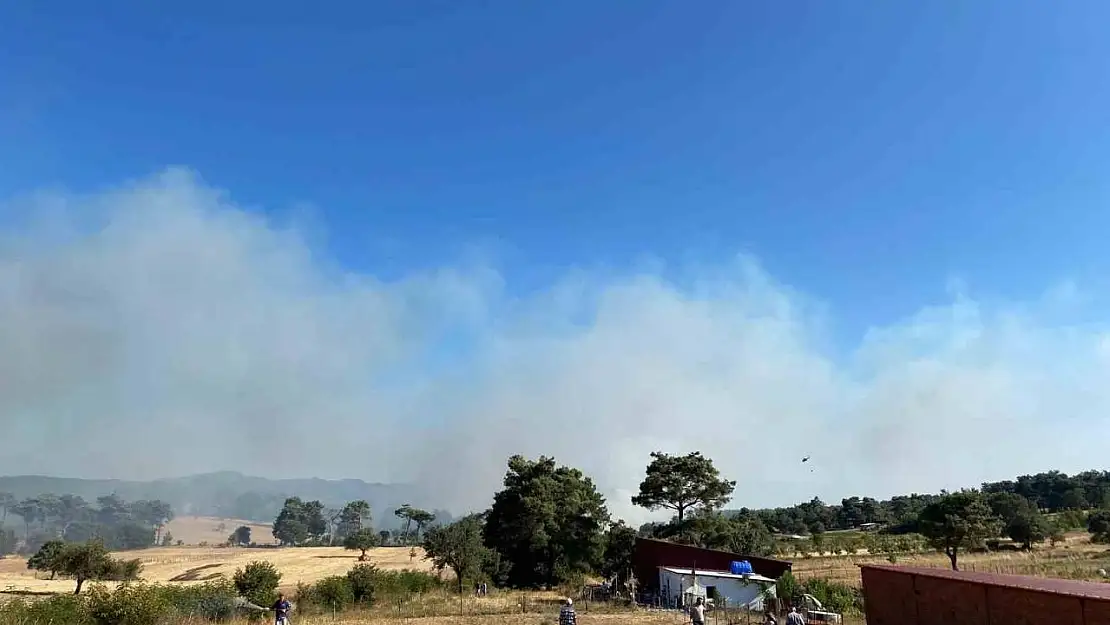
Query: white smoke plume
{"x": 159, "y": 330}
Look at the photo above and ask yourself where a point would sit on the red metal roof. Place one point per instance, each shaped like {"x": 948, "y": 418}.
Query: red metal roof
{"x": 1069, "y": 587}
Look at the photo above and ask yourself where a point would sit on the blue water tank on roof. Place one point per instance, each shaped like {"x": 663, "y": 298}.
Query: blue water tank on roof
{"x": 743, "y": 567}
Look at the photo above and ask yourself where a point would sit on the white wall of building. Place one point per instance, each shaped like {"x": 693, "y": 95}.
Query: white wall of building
{"x": 731, "y": 589}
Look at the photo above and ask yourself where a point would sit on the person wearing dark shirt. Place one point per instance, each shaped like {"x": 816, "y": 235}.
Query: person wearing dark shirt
{"x": 567, "y": 615}
{"x": 281, "y": 609}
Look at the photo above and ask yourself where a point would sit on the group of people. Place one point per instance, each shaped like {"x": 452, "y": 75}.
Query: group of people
{"x": 697, "y": 615}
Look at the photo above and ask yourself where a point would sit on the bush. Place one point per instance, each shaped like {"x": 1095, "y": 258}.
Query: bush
{"x": 258, "y": 582}
{"x": 405, "y": 582}
{"x": 211, "y": 601}
{"x": 68, "y": 609}
{"x": 333, "y": 593}
{"x": 363, "y": 580}
{"x": 834, "y": 596}
{"x": 137, "y": 604}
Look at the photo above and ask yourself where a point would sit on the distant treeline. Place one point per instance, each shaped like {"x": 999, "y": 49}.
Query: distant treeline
{"x": 1050, "y": 492}
{"x": 117, "y": 524}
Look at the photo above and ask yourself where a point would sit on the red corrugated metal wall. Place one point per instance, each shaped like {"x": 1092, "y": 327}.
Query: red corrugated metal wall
{"x": 650, "y": 554}
{"x": 914, "y": 596}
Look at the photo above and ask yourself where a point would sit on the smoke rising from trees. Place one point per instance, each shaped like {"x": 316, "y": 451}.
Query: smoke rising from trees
{"x": 158, "y": 329}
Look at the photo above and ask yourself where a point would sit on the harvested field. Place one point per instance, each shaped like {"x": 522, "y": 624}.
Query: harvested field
{"x": 197, "y": 564}
{"x": 194, "y": 530}
{"x": 1077, "y": 558}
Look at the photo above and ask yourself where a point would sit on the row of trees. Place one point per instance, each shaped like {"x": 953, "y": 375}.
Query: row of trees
{"x": 1051, "y": 491}
{"x": 117, "y": 523}
{"x": 311, "y": 523}
{"x": 549, "y": 524}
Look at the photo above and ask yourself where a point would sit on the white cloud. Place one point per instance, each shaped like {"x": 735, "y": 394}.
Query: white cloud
{"x": 159, "y": 330}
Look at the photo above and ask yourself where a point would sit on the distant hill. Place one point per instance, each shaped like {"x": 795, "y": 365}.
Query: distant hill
{"x": 227, "y": 494}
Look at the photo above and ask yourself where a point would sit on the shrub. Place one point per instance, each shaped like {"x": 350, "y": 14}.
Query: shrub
{"x": 137, "y": 604}
{"x": 211, "y": 601}
{"x": 333, "y": 593}
{"x": 363, "y": 578}
{"x": 258, "y": 582}
{"x": 405, "y": 582}
{"x": 787, "y": 587}
{"x": 834, "y": 596}
{"x": 68, "y": 609}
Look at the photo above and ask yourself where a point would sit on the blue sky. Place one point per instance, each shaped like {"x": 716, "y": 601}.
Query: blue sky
{"x": 530, "y": 212}
{"x": 865, "y": 152}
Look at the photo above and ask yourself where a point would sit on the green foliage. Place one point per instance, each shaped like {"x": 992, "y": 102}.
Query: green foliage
{"x": 241, "y": 536}
{"x": 546, "y": 523}
{"x": 363, "y": 540}
{"x": 1098, "y": 524}
{"x": 787, "y": 587}
{"x": 55, "y": 610}
{"x": 258, "y": 582}
{"x": 458, "y": 546}
{"x": 681, "y": 483}
{"x": 48, "y": 558}
{"x": 837, "y": 597}
{"x": 331, "y": 593}
{"x": 616, "y": 561}
{"x": 300, "y": 521}
{"x": 958, "y": 520}
{"x": 405, "y": 583}
{"x": 84, "y": 562}
{"x": 131, "y": 604}
{"x": 363, "y": 580}
{"x": 354, "y": 517}
{"x": 742, "y": 532}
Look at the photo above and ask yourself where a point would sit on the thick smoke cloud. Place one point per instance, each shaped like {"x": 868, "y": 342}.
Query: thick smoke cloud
{"x": 159, "y": 330}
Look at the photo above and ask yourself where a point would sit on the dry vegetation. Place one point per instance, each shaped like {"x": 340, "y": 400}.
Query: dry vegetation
{"x": 194, "y": 530}
{"x": 196, "y": 564}
{"x": 1077, "y": 558}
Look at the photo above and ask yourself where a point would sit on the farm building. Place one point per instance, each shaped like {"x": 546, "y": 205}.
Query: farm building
{"x": 649, "y": 555}
{"x": 895, "y": 595}
{"x": 680, "y": 586}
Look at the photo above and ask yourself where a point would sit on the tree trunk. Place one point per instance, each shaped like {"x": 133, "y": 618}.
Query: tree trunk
{"x": 951, "y": 551}
{"x": 681, "y": 510}
{"x": 458, "y": 576}
{"x": 80, "y": 581}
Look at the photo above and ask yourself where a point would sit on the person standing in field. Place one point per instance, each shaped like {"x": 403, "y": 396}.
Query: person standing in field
{"x": 567, "y": 616}
{"x": 281, "y": 609}
{"x": 697, "y": 612}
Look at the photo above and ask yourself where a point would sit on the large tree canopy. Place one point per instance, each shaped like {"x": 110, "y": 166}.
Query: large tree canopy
{"x": 546, "y": 523}
{"x": 681, "y": 483}
{"x": 958, "y": 520}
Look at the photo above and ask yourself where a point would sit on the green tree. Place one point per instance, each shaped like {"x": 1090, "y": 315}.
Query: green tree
{"x": 240, "y": 537}
{"x": 363, "y": 580}
{"x": 84, "y": 562}
{"x": 299, "y": 521}
{"x": 958, "y": 520}
{"x": 1098, "y": 524}
{"x": 616, "y": 559}
{"x": 7, "y": 502}
{"x": 363, "y": 541}
{"x": 681, "y": 483}
{"x": 48, "y": 558}
{"x": 458, "y": 546}
{"x": 353, "y": 517}
{"x": 421, "y": 518}
{"x": 545, "y": 523}
{"x": 257, "y": 582}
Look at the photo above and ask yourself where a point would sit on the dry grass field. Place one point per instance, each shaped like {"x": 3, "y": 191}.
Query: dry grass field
{"x": 194, "y": 530}
{"x": 196, "y": 564}
{"x": 1076, "y": 558}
